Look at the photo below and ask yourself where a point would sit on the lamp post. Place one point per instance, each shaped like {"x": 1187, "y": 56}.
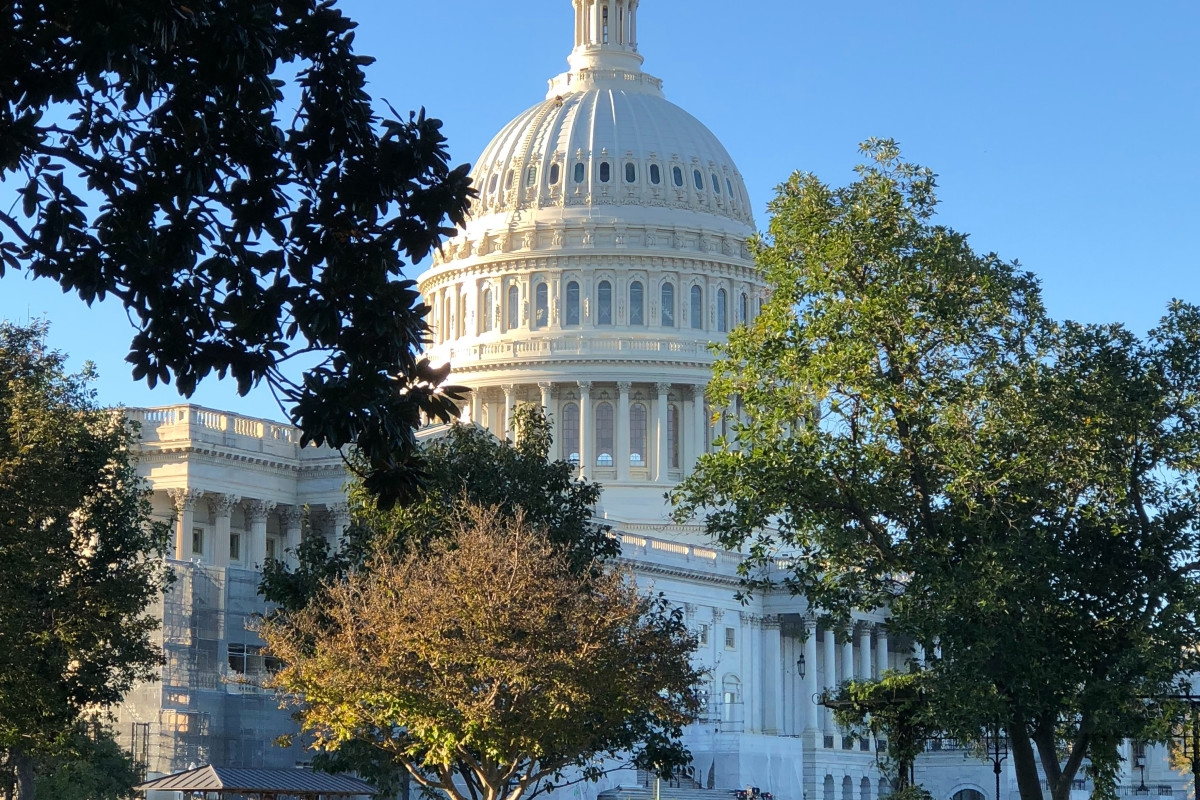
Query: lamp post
{"x": 995, "y": 743}
{"x": 1140, "y": 763}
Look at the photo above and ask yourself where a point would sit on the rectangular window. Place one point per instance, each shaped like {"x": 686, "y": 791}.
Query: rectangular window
{"x": 703, "y": 634}
{"x": 235, "y": 547}
{"x": 730, "y": 639}
{"x": 198, "y": 541}
{"x": 270, "y": 547}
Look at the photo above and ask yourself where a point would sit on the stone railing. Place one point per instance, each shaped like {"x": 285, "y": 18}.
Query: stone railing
{"x": 192, "y": 425}
{"x": 665, "y": 550}
{"x": 568, "y": 346}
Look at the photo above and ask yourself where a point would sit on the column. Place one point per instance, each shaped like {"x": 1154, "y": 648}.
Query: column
{"x": 919, "y": 655}
{"x": 510, "y": 394}
{"x": 830, "y": 682}
{"x": 772, "y": 663}
{"x": 881, "y": 651}
{"x": 623, "y": 431}
{"x": 586, "y": 446}
{"x": 597, "y": 28}
{"x": 752, "y": 685}
{"x": 291, "y": 517}
{"x": 256, "y": 548}
{"x": 340, "y": 512}
{"x": 222, "y": 506}
{"x": 848, "y": 654}
{"x": 660, "y": 430}
{"x": 696, "y": 430}
{"x": 184, "y": 501}
{"x": 864, "y": 652}
{"x": 808, "y": 684}
{"x": 477, "y": 406}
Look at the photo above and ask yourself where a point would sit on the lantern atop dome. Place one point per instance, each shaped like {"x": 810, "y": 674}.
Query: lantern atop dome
{"x": 605, "y": 36}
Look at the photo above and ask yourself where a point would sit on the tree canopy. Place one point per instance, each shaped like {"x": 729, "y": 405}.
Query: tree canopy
{"x": 218, "y": 169}
{"x": 919, "y": 434}
{"x": 79, "y": 561}
{"x": 487, "y": 664}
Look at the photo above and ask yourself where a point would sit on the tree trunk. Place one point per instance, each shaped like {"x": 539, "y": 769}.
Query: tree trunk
{"x": 1024, "y": 764}
{"x": 24, "y": 769}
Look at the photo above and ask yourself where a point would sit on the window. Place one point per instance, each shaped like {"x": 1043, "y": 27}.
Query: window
{"x": 604, "y": 23}
{"x": 493, "y": 183}
{"x": 197, "y": 541}
{"x": 485, "y": 323}
{"x": 673, "y": 436}
{"x": 604, "y": 435}
{"x": 553, "y": 174}
{"x": 541, "y": 303}
{"x": 702, "y": 634}
{"x": 605, "y": 171}
{"x": 235, "y": 547}
{"x": 729, "y": 187}
{"x": 698, "y": 179}
{"x": 508, "y": 179}
{"x": 677, "y": 175}
{"x": 462, "y": 315}
{"x": 716, "y": 184}
{"x": 514, "y": 306}
{"x": 272, "y": 547}
{"x": 668, "y": 305}
{"x": 655, "y": 175}
{"x": 637, "y": 435}
{"x": 730, "y": 639}
{"x": 721, "y": 320}
{"x": 745, "y": 309}
{"x": 604, "y": 303}
{"x": 570, "y": 432}
{"x": 731, "y": 698}
{"x": 637, "y": 304}
{"x": 531, "y": 176}
{"x": 630, "y": 172}
{"x": 697, "y": 309}
{"x": 580, "y": 172}
{"x": 571, "y": 306}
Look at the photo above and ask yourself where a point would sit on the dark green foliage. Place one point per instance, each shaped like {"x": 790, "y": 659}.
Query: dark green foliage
{"x": 87, "y": 764}
{"x": 79, "y": 557}
{"x": 160, "y": 164}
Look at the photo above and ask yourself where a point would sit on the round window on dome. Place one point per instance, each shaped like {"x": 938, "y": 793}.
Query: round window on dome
{"x": 655, "y": 175}
{"x": 698, "y": 179}
{"x": 677, "y": 174}
{"x": 553, "y": 174}
{"x": 716, "y": 184}
{"x": 630, "y": 172}
{"x": 605, "y": 171}
{"x": 580, "y": 172}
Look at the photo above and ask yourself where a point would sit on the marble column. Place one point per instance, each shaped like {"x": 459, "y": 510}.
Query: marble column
{"x": 184, "y": 501}
{"x": 696, "y": 427}
{"x": 586, "y": 446}
{"x": 623, "y": 431}
{"x": 919, "y": 655}
{"x": 340, "y": 512}
{"x": 222, "y": 507}
{"x": 808, "y": 684}
{"x": 881, "y": 651}
{"x": 772, "y": 666}
{"x": 510, "y": 395}
{"x": 477, "y": 407}
{"x": 752, "y": 670}
{"x": 292, "y": 517}
{"x": 256, "y": 548}
{"x": 865, "y": 672}
{"x": 830, "y": 682}
{"x": 847, "y": 654}
{"x": 661, "y": 472}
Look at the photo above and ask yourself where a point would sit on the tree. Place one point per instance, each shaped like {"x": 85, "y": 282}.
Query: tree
{"x": 486, "y": 664}
{"x": 236, "y": 242}
{"x": 920, "y": 435}
{"x": 87, "y": 764}
{"x": 465, "y": 467}
{"x": 79, "y": 557}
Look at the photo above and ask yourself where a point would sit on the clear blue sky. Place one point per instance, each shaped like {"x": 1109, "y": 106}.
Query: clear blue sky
{"x": 1064, "y": 133}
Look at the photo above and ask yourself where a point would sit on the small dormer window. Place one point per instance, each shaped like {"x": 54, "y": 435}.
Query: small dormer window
{"x": 716, "y": 184}
{"x": 495, "y": 181}
{"x": 580, "y": 172}
{"x": 698, "y": 179}
{"x": 655, "y": 175}
{"x": 553, "y": 174}
{"x": 630, "y": 172}
{"x": 677, "y": 174}
{"x": 605, "y": 172}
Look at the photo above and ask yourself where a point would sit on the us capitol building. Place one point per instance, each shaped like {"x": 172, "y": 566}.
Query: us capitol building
{"x": 606, "y": 251}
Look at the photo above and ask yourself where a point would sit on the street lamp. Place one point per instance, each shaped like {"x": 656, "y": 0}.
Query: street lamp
{"x": 995, "y": 744}
{"x": 800, "y": 665}
{"x": 1140, "y": 763}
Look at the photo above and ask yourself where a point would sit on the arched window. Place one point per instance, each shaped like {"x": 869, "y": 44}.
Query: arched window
{"x": 847, "y": 788}
{"x": 677, "y": 176}
{"x": 604, "y": 435}
{"x": 722, "y": 321}
{"x": 553, "y": 174}
{"x": 514, "y": 307}
{"x": 493, "y": 182}
{"x": 630, "y": 172}
{"x": 655, "y": 175}
{"x": 605, "y": 171}
{"x": 716, "y": 184}
{"x": 667, "y": 301}
{"x": 570, "y": 432}
{"x": 580, "y": 172}
{"x": 637, "y": 304}
{"x": 571, "y": 305}
{"x": 541, "y": 311}
{"x": 697, "y": 309}
{"x": 698, "y": 179}
{"x": 827, "y": 789}
{"x": 673, "y": 436}
{"x": 637, "y": 435}
{"x": 745, "y": 310}
{"x": 731, "y": 698}
{"x": 969, "y": 794}
{"x": 485, "y": 323}
{"x": 604, "y": 303}
{"x": 864, "y": 789}
{"x": 508, "y": 179}
{"x": 729, "y": 186}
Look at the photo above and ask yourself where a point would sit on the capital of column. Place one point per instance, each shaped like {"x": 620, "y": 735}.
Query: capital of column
{"x": 222, "y": 504}
{"x": 718, "y": 614}
{"x": 184, "y": 499}
{"x": 624, "y": 386}
{"x": 546, "y": 386}
{"x": 291, "y": 516}
{"x": 257, "y": 510}
{"x": 662, "y": 388}
{"x": 584, "y": 386}
{"x": 689, "y": 610}
{"x": 770, "y": 621}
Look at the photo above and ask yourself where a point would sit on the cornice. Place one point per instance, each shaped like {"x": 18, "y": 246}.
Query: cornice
{"x": 169, "y": 453}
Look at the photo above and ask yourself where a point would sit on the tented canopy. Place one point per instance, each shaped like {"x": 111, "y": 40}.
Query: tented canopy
{"x": 265, "y": 783}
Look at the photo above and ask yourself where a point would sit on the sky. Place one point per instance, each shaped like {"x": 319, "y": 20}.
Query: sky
{"x": 1064, "y": 133}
